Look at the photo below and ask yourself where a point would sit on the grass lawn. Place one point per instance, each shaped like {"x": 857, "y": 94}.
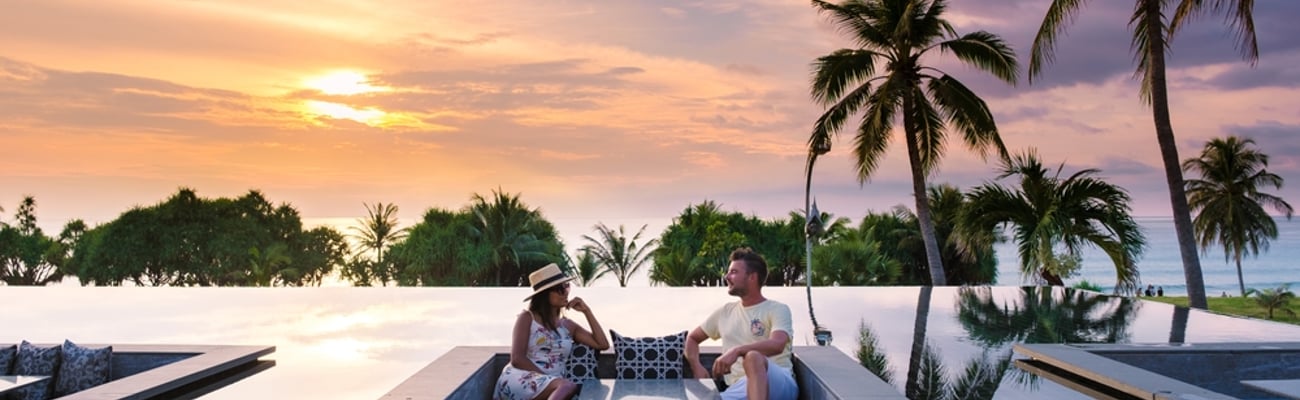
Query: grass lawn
{"x": 1245, "y": 307}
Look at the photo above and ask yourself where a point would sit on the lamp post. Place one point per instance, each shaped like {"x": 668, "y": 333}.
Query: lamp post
{"x": 812, "y": 229}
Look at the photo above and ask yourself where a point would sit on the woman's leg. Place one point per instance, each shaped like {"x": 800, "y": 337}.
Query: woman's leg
{"x": 558, "y": 389}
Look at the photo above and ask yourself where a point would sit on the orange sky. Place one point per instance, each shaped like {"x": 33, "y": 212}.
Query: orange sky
{"x": 621, "y": 113}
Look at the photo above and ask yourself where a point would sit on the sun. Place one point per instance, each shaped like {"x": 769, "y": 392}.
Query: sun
{"x": 343, "y": 83}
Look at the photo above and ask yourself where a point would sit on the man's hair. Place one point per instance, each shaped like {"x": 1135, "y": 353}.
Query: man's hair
{"x": 753, "y": 262}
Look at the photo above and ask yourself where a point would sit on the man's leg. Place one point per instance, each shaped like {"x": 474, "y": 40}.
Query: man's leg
{"x": 780, "y": 383}
{"x": 756, "y": 375}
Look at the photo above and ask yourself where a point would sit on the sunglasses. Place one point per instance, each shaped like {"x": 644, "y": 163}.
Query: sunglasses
{"x": 563, "y": 287}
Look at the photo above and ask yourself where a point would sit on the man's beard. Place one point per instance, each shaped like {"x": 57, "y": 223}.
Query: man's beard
{"x": 734, "y": 290}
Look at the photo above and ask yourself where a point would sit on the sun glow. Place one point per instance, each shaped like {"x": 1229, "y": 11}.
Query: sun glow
{"x": 368, "y": 116}
{"x": 343, "y": 83}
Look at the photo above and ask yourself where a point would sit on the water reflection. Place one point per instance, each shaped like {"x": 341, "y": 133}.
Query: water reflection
{"x": 357, "y": 343}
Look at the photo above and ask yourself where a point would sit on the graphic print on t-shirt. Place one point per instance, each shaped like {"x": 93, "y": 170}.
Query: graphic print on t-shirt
{"x": 756, "y": 328}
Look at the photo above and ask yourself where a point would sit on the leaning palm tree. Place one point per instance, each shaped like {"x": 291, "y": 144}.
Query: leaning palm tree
{"x": 1150, "y": 42}
{"x": 1055, "y": 218}
{"x": 619, "y": 254}
{"x": 1228, "y": 200}
{"x": 885, "y": 78}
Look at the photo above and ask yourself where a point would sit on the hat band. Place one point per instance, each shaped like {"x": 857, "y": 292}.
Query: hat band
{"x": 553, "y": 278}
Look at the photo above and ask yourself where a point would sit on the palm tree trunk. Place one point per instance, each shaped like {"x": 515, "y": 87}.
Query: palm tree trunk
{"x": 1240, "y": 281}
{"x": 918, "y": 341}
{"x": 1155, "y": 31}
{"x": 1178, "y": 328}
{"x": 928, "y": 235}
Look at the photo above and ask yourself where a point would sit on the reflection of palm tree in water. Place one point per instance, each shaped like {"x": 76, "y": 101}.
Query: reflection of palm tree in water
{"x": 1043, "y": 315}
{"x": 1036, "y": 315}
{"x": 926, "y": 373}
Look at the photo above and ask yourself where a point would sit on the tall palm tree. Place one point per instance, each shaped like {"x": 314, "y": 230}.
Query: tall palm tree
{"x": 1054, "y": 218}
{"x": 377, "y": 232}
{"x": 1150, "y": 42}
{"x": 895, "y": 35}
{"x": 619, "y": 254}
{"x": 1228, "y": 200}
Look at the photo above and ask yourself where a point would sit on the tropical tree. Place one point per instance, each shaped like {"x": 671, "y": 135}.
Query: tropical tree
{"x": 1274, "y": 299}
{"x": 586, "y": 269}
{"x": 1228, "y": 199}
{"x": 618, "y": 254}
{"x": 440, "y": 250}
{"x": 519, "y": 239}
{"x": 1151, "y": 39}
{"x": 1054, "y": 218}
{"x": 192, "y": 241}
{"x": 27, "y": 255}
{"x": 377, "y": 232}
{"x": 895, "y": 35}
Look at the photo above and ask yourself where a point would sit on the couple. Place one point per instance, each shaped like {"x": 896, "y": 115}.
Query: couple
{"x": 755, "y": 335}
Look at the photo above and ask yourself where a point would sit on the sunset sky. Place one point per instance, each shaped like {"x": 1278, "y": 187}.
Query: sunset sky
{"x": 621, "y": 112}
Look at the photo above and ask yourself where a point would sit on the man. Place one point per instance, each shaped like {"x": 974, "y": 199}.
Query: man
{"x": 755, "y": 335}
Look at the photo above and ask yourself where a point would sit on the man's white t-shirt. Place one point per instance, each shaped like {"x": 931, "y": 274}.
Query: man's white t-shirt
{"x": 738, "y": 325}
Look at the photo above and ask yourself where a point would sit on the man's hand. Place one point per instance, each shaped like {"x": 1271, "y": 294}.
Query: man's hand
{"x": 701, "y": 372}
{"x": 722, "y": 365}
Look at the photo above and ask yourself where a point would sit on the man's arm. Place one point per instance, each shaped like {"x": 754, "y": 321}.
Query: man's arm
{"x": 693, "y": 341}
{"x": 771, "y": 346}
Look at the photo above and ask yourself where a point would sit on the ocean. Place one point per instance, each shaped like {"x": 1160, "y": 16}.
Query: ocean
{"x": 1162, "y": 266}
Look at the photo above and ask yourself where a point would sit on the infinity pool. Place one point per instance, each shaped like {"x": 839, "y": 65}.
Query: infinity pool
{"x": 357, "y": 343}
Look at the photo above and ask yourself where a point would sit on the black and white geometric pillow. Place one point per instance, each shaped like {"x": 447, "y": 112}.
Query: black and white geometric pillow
{"x": 649, "y": 357}
{"x": 82, "y": 368}
{"x": 581, "y": 364}
{"x": 7, "y": 356}
{"x": 33, "y": 360}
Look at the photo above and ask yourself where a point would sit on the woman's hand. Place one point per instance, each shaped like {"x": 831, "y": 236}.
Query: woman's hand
{"x": 577, "y": 304}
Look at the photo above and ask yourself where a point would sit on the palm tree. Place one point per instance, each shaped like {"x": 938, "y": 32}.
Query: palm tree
{"x": 1228, "y": 202}
{"x": 377, "y": 232}
{"x": 1275, "y": 299}
{"x": 619, "y": 254}
{"x": 586, "y": 269}
{"x": 895, "y": 35}
{"x": 513, "y": 233}
{"x": 1150, "y": 42}
{"x": 1054, "y": 218}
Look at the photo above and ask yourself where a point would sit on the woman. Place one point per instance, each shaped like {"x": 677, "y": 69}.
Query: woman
{"x": 543, "y": 338}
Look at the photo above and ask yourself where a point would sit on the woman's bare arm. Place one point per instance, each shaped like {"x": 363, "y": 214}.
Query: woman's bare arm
{"x": 519, "y": 343}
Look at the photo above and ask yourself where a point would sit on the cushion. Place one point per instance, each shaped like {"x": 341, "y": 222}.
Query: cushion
{"x": 82, "y": 368}
{"x": 649, "y": 357}
{"x": 7, "y": 355}
{"x": 581, "y": 364}
{"x": 33, "y": 360}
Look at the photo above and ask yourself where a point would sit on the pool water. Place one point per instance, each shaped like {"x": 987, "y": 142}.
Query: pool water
{"x": 357, "y": 343}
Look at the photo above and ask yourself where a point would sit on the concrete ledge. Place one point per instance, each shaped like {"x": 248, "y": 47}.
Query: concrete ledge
{"x": 174, "y": 371}
{"x": 1076, "y": 366}
{"x": 470, "y": 372}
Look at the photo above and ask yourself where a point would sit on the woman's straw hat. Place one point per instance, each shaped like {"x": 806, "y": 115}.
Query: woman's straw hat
{"x": 545, "y": 278}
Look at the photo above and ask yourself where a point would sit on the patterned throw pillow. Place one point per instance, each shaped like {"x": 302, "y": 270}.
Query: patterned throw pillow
{"x": 649, "y": 357}
{"x": 34, "y": 360}
{"x": 581, "y": 364}
{"x": 7, "y": 355}
{"x": 82, "y": 368}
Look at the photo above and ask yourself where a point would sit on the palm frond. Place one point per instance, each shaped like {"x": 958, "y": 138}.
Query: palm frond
{"x": 987, "y": 52}
{"x": 1043, "y": 51}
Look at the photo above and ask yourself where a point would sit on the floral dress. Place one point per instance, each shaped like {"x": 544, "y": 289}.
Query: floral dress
{"x": 548, "y": 350}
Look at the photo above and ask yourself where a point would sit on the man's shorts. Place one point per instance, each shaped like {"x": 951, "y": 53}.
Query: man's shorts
{"x": 780, "y": 385}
